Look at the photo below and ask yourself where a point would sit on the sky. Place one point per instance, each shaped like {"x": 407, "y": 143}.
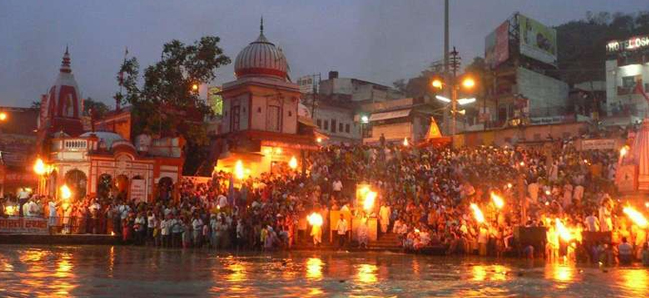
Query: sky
{"x": 375, "y": 40}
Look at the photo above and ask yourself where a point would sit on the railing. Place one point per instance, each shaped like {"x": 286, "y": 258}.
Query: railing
{"x": 75, "y": 145}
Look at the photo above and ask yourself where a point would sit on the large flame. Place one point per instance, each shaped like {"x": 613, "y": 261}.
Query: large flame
{"x": 39, "y": 167}
{"x": 369, "y": 198}
{"x": 477, "y": 213}
{"x": 564, "y": 232}
{"x": 314, "y": 219}
{"x": 635, "y": 216}
{"x": 498, "y": 201}
{"x": 239, "y": 172}
{"x": 405, "y": 142}
{"x": 66, "y": 193}
{"x": 293, "y": 163}
{"x": 623, "y": 151}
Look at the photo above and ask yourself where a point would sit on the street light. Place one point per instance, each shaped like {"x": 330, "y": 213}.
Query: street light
{"x": 467, "y": 82}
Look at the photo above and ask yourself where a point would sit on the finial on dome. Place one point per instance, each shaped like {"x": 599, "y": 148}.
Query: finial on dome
{"x": 261, "y": 27}
{"x": 65, "y": 64}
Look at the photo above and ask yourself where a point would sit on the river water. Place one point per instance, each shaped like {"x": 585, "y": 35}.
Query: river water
{"x": 27, "y": 271}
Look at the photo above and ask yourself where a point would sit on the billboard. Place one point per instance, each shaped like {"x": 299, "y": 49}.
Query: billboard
{"x": 537, "y": 41}
{"x": 215, "y": 100}
{"x": 497, "y": 46}
{"x": 306, "y": 84}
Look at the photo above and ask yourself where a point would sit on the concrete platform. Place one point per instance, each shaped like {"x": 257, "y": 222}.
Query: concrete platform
{"x": 81, "y": 239}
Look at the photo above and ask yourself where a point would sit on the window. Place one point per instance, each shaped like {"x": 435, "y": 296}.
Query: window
{"x": 347, "y": 128}
{"x": 235, "y": 120}
{"x": 340, "y": 127}
{"x": 326, "y": 125}
{"x": 319, "y": 123}
{"x": 333, "y": 125}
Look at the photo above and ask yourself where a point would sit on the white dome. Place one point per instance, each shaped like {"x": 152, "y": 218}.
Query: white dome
{"x": 261, "y": 58}
{"x": 107, "y": 137}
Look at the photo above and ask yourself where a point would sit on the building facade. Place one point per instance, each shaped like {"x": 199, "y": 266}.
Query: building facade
{"x": 104, "y": 160}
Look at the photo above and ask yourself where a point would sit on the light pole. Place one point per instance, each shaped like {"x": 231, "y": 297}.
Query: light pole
{"x": 467, "y": 83}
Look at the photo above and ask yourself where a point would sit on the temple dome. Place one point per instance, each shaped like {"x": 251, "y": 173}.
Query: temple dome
{"x": 261, "y": 58}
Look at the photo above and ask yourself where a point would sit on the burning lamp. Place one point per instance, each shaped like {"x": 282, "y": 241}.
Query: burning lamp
{"x": 3, "y": 116}
{"x": 498, "y": 201}
{"x": 405, "y": 142}
{"x": 66, "y": 193}
{"x": 623, "y": 151}
{"x": 239, "y": 172}
{"x": 293, "y": 163}
{"x": 315, "y": 219}
{"x": 477, "y": 213}
{"x": 39, "y": 167}
{"x": 635, "y": 216}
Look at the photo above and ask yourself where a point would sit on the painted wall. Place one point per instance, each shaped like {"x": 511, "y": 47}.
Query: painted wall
{"x": 547, "y": 96}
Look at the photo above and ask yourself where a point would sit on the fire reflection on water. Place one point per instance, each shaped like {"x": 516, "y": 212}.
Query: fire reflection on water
{"x": 314, "y": 269}
{"x": 635, "y": 281}
{"x": 367, "y": 273}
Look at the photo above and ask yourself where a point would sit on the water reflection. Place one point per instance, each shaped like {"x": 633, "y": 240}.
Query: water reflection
{"x": 314, "y": 269}
{"x": 81, "y": 271}
{"x": 635, "y": 281}
{"x": 366, "y": 273}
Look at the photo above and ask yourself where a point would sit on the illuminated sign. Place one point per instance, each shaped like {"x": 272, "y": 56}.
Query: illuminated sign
{"x": 631, "y": 44}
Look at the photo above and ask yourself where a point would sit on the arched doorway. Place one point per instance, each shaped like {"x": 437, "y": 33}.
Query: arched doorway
{"x": 122, "y": 185}
{"x": 77, "y": 181}
{"x": 104, "y": 185}
{"x": 165, "y": 186}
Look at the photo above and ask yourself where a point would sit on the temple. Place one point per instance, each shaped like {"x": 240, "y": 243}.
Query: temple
{"x": 264, "y": 126}
{"x": 100, "y": 158}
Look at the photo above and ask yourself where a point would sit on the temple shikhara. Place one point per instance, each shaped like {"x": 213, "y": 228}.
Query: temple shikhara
{"x": 98, "y": 157}
{"x": 264, "y": 126}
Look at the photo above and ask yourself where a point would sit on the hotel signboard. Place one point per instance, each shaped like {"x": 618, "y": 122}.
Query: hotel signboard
{"x": 631, "y": 44}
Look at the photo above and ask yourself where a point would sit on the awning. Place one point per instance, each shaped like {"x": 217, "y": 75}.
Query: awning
{"x": 390, "y": 115}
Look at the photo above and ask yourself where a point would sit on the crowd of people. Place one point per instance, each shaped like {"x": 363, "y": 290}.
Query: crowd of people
{"x": 426, "y": 196}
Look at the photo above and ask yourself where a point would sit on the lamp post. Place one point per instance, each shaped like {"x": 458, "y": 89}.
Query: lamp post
{"x": 467, "y": 83}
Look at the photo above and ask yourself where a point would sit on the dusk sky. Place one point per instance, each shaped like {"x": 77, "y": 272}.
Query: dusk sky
{"x": 375, "y": 40}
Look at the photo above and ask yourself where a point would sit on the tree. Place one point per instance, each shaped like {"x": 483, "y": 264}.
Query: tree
{"x": 97, "y": 108}
{"x": 35, "y": 105}
{"x": 166, "y": 104}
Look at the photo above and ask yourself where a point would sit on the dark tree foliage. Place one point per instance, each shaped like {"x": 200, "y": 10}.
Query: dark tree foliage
{"x": 97, "y": 108}
{"x": 582, "y": 43}
{"x": 166, "y": 104}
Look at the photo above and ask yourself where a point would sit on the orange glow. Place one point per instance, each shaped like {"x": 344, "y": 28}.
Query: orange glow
{"x": 239, "y": 172}
{"x": 319, "y": 140}
{"x": 315, "y": 219}
{"x": 623, "y": 151}
{"x": 635, "y": 216}
{"x": 314, "y": 268}
{"x": 477, "y": 213}
{"x": 195, "y": 87}
{"x": 112, "y": 233}
{"x": 509, "y": 185}
{"x": 437, "y": 84}
{"x": 66, "y": 193}
{"x": 293, "y": 163}
{"x": 367, "y": 273}
{"x": 564, "y": 233}
{"x": 278, "y": 150}
{"x": 468, "y": 83}
{"x": 369, "y": 198}
{"x": 405, "y": 142}
{"x": 498, "y": 201}
{"x": 3, "y": 116}
{"x": 39, "y": 167}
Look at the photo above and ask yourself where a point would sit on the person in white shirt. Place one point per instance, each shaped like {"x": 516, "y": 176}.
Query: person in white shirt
{"x": 223, "y": 201}
{"x": 197, "y": 230}
{"x": 337, "y": 188}
{"x": 592, "y": 223}
{"x": 53, "y": 220}
{"x": 164, "y": 232}
{"x": 625, "y": 252}
{"x": 341, "y": 229}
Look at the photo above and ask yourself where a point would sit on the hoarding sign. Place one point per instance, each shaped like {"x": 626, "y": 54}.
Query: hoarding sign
{"x": 631, "y": 44}
{"x": 537, "y": 41}
{"x": 138, "y": 190}
{"x": 215, "y": 100}
{"x": 23, "y": 225}
{"x": 497, "y": 45}
{"x": 598, "y": 144}
{"x": 306, "y": 84}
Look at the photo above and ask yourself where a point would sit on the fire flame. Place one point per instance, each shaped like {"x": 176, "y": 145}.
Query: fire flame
{"x": 564, "y": 233}
{"x": 66, "y": 193}
{"x": 293, "y": 163}
{"x": 39, "y": 167}
{"x": 635, "y": 216}
{"x": 405, "y": 142}
{"x": 369, "y": 197}
{"x": 239, "y": 172}
{"x": 623, "y": 151}
{"x": 314, "y": 219}
{"x": 477, "y": 213}
{"x": 498, "y": 201}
